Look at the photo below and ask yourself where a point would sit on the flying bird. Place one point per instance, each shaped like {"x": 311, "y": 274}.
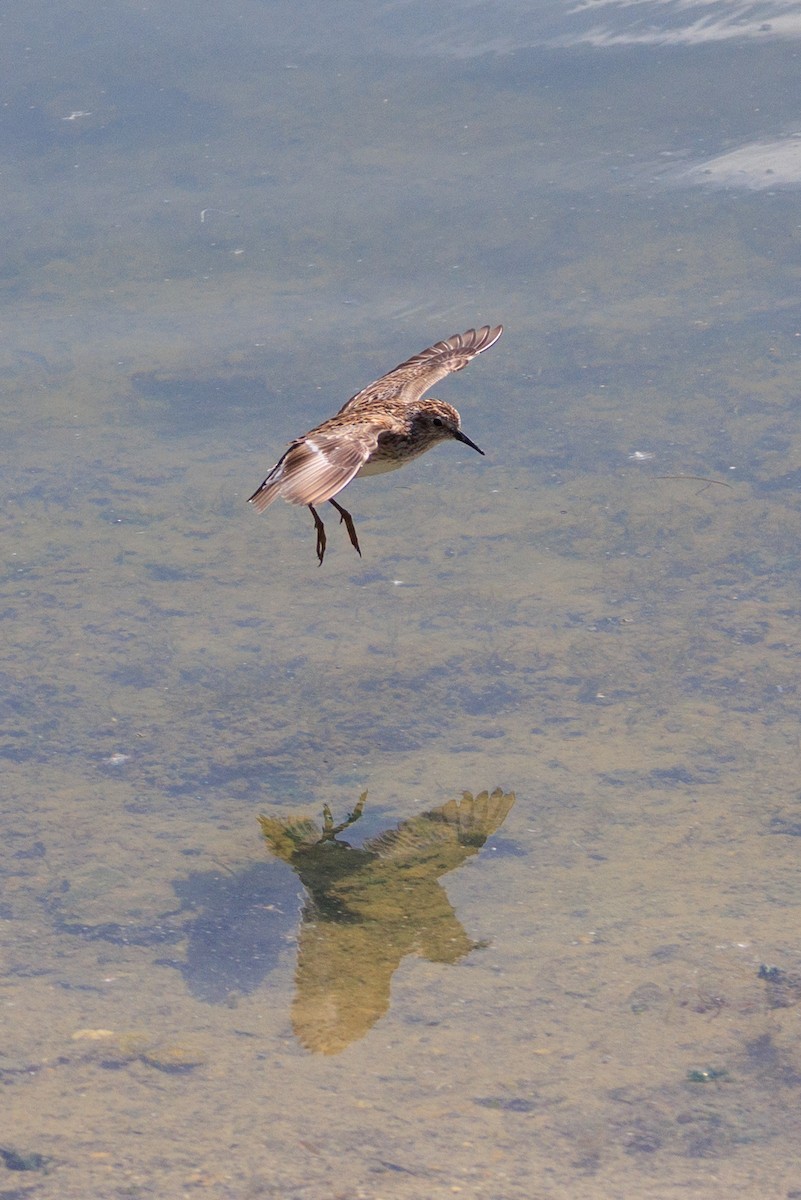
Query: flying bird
{"x": 379, "y": 429}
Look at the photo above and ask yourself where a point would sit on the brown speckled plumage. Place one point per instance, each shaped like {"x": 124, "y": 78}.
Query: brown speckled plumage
{"x": 379, "y": 429}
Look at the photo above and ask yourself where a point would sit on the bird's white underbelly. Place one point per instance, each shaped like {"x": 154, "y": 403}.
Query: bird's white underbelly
{"x": 380, "y": 466}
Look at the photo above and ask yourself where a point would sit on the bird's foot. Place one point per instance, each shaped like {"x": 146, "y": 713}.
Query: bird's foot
{"x": 321, "y": 538}
{"x": 347, "y": 519}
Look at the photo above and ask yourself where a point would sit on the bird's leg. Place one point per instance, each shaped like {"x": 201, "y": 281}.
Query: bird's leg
{"x": 321, "y": 543}
{"x": 345, "y": 516}
{"x": 330, "y": 830}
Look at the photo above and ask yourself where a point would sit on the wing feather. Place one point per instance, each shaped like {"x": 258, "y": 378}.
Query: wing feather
{"x": 315, "y": 468}
{"x": 412, "y": 379}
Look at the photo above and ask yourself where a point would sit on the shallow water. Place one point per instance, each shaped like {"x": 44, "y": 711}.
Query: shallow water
{"x": 600, "y": 617}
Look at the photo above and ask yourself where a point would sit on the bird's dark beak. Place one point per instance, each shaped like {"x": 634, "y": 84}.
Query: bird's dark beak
{"x": 462, "y": 437}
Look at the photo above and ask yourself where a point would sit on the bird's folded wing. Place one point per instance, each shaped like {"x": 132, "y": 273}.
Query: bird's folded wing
{"x": 413, "y": 378}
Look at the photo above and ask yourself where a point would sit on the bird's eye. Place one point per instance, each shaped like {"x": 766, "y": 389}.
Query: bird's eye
{"x": 437, "y": 421}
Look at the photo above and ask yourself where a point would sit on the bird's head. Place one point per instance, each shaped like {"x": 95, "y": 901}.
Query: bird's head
{"x": 437, "y": 421}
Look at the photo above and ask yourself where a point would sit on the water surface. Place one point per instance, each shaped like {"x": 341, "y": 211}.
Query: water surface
{"x": 219, "y": 225}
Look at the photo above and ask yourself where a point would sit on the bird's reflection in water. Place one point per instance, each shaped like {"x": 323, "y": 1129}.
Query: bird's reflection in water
{"x": 368, "y": 907}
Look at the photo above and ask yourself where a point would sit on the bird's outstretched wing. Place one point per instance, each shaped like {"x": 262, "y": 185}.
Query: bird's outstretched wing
{"x": 316, "y": 467}
{"x": 412, "y": 379}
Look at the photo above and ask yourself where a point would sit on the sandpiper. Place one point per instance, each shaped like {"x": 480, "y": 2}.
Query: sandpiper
{"x": 379, "y": 429}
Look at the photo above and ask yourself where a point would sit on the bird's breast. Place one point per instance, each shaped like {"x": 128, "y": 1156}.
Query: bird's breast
{"x": 395, "y": 450}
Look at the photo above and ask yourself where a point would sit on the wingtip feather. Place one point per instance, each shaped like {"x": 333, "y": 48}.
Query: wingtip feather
{"x": 263, "y": 496}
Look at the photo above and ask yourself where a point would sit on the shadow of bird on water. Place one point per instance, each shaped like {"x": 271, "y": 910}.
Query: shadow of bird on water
{"x": 368, "y": 907}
